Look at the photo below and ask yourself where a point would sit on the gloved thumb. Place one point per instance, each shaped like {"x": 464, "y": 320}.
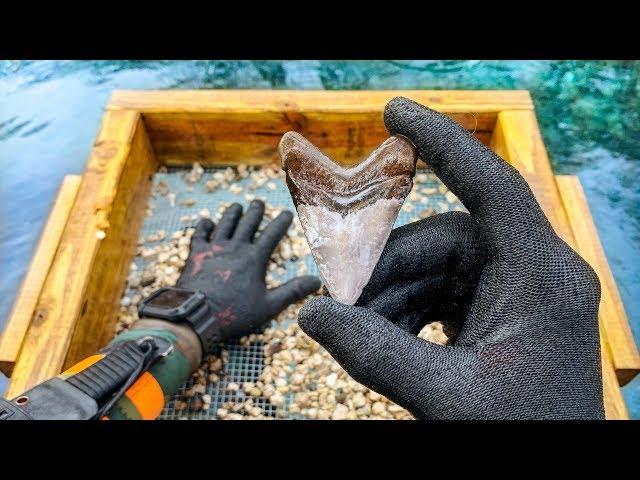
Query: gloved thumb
{"x": 380, "y": 355}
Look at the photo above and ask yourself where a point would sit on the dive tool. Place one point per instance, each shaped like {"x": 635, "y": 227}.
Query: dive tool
{"x": 89, "y": 389}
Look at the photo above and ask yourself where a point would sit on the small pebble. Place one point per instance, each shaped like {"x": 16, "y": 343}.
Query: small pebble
{"x": 427, "y": 212}
{"x": 235, "y": 189}
{"x": 161, "y": 188}
{"x": 407, "y": 207}
{"x": 451, "y": 198}
{"x": 211, "y": 185}
{"x": 195, "y": 174}
{"x": 196, "y": 404}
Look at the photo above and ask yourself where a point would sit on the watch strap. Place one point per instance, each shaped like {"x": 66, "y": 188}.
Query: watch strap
{"x": 206, "y": 325}
{"x": 200, "y": 316}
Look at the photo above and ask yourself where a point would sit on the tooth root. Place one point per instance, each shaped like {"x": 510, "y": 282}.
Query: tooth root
{"x": 347, "y": 213}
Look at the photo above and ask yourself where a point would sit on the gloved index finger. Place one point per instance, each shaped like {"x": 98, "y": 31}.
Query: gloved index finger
{"x": 273, "y": 232}
{"x": 496, "y": 195}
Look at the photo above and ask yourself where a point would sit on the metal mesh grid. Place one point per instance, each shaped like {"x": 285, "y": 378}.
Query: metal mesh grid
{"x": 244, "y": 363}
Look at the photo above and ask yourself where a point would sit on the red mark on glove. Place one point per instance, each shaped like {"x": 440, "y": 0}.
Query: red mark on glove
{"x": 198, "y": 258}
{"x": 226, "y": 316}
{"x": 223, "y": 274}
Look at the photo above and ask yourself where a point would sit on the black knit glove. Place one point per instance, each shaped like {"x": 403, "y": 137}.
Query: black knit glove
{"x": 229, "y": 266}
{"x": 522, "y": 304}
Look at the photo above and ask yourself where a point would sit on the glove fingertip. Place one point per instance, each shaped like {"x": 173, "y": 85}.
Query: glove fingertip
{"x": 308, "y": 284}
{"x": 317, "y": 315}
{"x": 394, "y": 109}
{"x": 316, "y": 303}
{"x": 418, "y": 123}
{"x": 203, "y": 229}
{"x": 286, "y": 216}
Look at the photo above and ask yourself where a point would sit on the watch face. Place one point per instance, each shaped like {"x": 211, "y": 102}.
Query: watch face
{"x": 170, "y": 299}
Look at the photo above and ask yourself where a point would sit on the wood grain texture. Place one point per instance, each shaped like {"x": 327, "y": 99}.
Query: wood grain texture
{"x": 614, "y": 406}
{"x": 27, "y": 298}
{"x": 96, "y": 325}
{"x": 338, "y": 101}
{"x": 618, "y": 337}
{"x": 226, "y": 127}
{"x": 74, "y": 315}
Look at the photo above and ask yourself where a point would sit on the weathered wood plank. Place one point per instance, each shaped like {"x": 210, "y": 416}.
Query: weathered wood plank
{"x": 614, "y": 406}
{"x": 96, "y": 324}
{"x": 103, "y": 195}
{"x": 620, "y": 341}
{"x": 339, "y": 101}
{"x": 206, "y": 144}
{"x": 228, "y": 127}
{"x": 27, "y": 298}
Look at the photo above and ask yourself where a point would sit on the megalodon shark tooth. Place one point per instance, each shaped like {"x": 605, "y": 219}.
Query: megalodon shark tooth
{"x": 347, "y": 213}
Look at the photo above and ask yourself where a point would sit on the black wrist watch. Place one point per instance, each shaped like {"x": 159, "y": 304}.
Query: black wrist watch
{"x": 178, "y": 305}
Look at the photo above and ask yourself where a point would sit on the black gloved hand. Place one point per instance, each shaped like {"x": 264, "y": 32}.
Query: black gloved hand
{"x": 229, "y": 266}
{"x": 523, "y": 304}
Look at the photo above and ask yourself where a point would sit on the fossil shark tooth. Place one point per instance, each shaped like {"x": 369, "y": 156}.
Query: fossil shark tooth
{"x": 347, "y": 213}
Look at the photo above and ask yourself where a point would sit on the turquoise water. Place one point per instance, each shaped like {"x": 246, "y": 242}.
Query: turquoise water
{"x": 589, "y": 113}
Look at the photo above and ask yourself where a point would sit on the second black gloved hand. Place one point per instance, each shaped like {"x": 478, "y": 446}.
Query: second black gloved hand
{"x": 523, "y": 304}
{"x": 229, "y": 265}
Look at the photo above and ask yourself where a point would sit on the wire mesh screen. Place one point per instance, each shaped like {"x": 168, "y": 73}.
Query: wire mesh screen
{"x": 245, "y": 362}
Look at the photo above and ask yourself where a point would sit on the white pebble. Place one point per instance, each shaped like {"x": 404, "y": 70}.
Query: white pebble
{"x": 451, "y": 198}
